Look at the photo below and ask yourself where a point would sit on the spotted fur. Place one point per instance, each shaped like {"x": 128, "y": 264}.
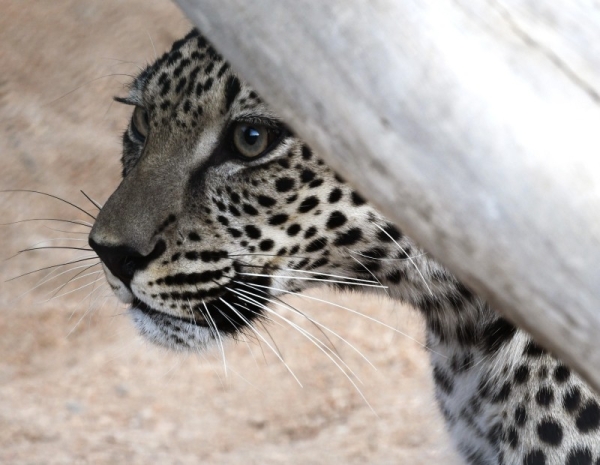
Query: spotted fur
{"x": 199, "y": 240}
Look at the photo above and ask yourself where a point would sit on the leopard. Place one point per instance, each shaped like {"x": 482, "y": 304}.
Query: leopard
{"x": 223, "y": 210}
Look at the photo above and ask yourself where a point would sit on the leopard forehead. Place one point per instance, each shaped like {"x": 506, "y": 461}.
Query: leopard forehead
{"x": 212, "y": 227}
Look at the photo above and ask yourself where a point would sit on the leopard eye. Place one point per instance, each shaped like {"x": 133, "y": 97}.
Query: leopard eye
{"x": 252, "y": 140}
{"x": 140, "y": 123}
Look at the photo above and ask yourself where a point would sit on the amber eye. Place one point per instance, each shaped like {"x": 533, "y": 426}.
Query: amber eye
{"x": 140, "y": 123}
{"x": 252, "y": 140}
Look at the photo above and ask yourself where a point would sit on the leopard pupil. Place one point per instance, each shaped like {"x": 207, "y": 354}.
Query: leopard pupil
{"x": 251, "y": 135}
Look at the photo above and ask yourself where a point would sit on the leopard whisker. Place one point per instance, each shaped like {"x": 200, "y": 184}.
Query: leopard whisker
{"x": 92, "y": 201}
{"x": 315, "y": 322}
{"x": 375, "y": 320}
{"x": 59, "y": 220}
{"x": 52, "y": 266}
{"x": 262, "y": 337}
{"x": 31, "y": 249}
{"x": 356, "y": 252}
{"x": 334, "y": 276}
{"x": 70, "y": 292}
{"x": 67, "y": 232}
{"x": 77, "y": 277}
{"x": 324, "y": 348}
{"x": 371, "y": 273}
{"x": 330, "y": 281}
{"x": 48, "y": 278}
{"x": 88, "y": 310}
{"x": 215, "y": 331}
{"x": 82, "y": 210}
{"x": 409, "y": 257}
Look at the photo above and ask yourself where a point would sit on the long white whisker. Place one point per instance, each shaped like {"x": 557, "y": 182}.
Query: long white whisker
{"x": 70, "y": 292}
{"x": 409, "y": 257}
{"x": 312, "y": 320}
{"x": 56, "y": 290}
{"x": 333, "y": 276}
{"x": 323, "y": 348}
{"x": 356, "y": 252}
{"x": 210, "y": 321}
{"x": 302, "y": 331}
{"x": 48, "y": 278}
{"x": 375, "y": 320}
{"x": 312, "y": 279}
{"x": 371, "y": 273}
{"x": 264, "y": 340}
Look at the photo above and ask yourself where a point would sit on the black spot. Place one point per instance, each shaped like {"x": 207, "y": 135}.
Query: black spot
{"x": 306, "y": 152}
{"x": 442, "y": 380}
{"x": 284, "y": 184}
{"x": 550, "y": 432}
{"x": 266, "y": 201}
{"x": 278, "y": 219}
{"x": 234, "y": 211}
{"x": 192, "y": 255}
{"x": 234, "y": 232}
{"x": 336, "y": 219}
{"x": 572, "y": 399}
{"x": 533, "y": 350}
{"x": 357, "y": 199}
{"x": 266, "y": 245}
{"x": 561, "y": 374}
{"x": 310, "y": 232}
{"x": 503, "y": 393}
{"x": 193, "y": 236}
{"x": 544, "y": 396}
{"x": 223, "y": 220}
{"x": 535, "y": 457}
{"x": 315, "y": 183}
{"x": 520, "y": 415}
{"x": 543, "y": 372}
{"x": 589, "y": 417}
{"x": 308, "y": 204}
{"x": 317, "y": 244}
{"x": 512, "y": 437}
{"x": 293, "y": 229}
{"x": 232, "y": 89}
{"x": 395, "y": 276}
{"x": 235, "y": 197}
{"x": 181, "y": 84}
{"x": 391, "y": 233}
{"x": 521, "y": 374}
{"x": 307, "y": 175}
{"x": 284, "y": 163}
{"x": 175, "y": 257}
{"x": 350, "y": 237}
{"x": 335, "y": 195}
{"x": 497, "y": 334}
{"x": 579, "y": 456}
{"x": 249, "y": 209}
{"x": 252, "y": 232}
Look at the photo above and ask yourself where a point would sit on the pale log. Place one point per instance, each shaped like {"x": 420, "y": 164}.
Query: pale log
{"x": 473, "y": 124}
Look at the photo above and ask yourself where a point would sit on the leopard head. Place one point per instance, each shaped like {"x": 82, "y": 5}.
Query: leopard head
{"x": 221, "y": 207}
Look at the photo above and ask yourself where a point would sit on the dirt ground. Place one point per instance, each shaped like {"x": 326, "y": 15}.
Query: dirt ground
{"x": 77, "y": 385}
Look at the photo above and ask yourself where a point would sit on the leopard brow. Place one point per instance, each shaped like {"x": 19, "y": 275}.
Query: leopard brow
{"x": 259, "y": 119}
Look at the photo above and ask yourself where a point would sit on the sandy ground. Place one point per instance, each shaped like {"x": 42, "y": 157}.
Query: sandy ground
{"x": 77, "y": 385}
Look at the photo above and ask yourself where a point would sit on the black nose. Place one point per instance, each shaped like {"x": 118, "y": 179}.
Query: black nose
{"x": 123, "y": 261}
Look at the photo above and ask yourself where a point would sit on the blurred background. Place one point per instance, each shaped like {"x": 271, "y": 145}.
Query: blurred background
{"x": 77, "y": 385}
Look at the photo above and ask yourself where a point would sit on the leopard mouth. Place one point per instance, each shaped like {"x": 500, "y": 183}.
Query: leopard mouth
{"x": 157, "y": 315}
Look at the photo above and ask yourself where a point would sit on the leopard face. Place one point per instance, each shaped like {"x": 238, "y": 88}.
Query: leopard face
{"x": 221, "y": 207}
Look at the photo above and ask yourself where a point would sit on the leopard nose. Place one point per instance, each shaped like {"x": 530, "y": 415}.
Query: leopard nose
{"x": 123, "y": 261}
